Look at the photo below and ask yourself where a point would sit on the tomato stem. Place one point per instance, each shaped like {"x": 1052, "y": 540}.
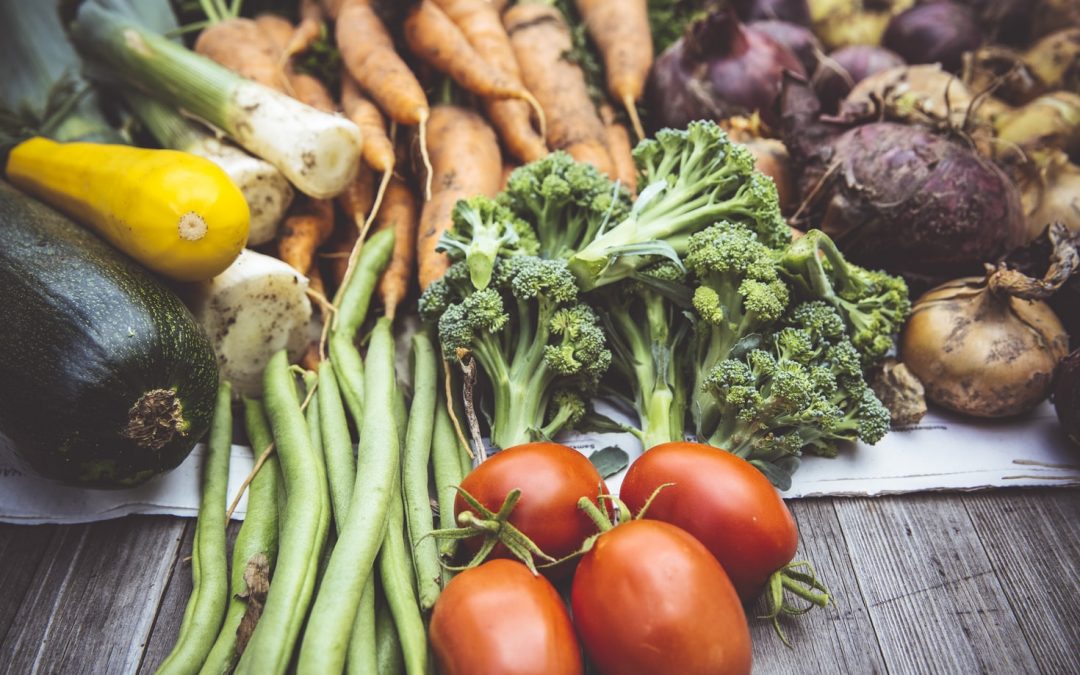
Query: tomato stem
{"x": 804, "y": 585}
{"x": 603, "y": 523}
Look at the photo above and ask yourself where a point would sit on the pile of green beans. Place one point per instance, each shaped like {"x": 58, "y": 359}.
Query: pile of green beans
{"x": 341, "y": 511}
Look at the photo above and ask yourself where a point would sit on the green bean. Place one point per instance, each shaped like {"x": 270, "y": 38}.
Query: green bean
{"x": 388, "y": 657}
{"x": 414, "y": 470}
{"x": 209, "y": 562}
{"x": 337, "y": 444}
{"x": 325, "y": 640}
{"x": 311, "y": 417}
{"x": 399, "y": 584}
{"x": 352, "y": 302}
{"x": 304, "y": 527}
{"x": 361, "y": 657}
{"x": 258, "y": 536}
{"x": 447, "y": 466}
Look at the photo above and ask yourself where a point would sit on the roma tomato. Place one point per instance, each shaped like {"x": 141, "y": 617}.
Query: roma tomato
{"x": 721, "y": 499}
{"x": 649, "y": 599}
{"x": 552, "y": 478}
{"x": 499, "y": 619}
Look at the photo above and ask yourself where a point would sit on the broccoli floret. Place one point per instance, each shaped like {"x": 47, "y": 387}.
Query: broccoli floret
{"x": 451, "y": 287}
{"x": 737, "y": 295}
{"x": 689, "y": 179}
{"x": 801, "y": 391}
{"x": 483, "y": 230}
{"x": 536, "y": 343}
{"x": 567, "y": 202}
{"x": 874, "y": 304}
{"x": 649, "y": 336}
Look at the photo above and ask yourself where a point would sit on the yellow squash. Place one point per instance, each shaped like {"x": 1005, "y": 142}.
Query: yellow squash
{"x": 175, "y": 213}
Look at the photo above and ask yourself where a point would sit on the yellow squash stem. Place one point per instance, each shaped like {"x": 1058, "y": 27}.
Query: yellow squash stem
{"x": 175, "y": 213}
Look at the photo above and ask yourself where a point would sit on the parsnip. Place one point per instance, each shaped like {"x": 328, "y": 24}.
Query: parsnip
{"x": 254, "y": 308}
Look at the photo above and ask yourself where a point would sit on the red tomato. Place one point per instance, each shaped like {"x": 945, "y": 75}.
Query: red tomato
{"x": 649, "y": 599}
{"x": 552, "y": 478}
{"x": 499, "y": 619}
{"x": 723, "y": 501}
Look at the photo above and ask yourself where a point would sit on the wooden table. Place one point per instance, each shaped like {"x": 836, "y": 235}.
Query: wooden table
{"x": 952, "y": 583}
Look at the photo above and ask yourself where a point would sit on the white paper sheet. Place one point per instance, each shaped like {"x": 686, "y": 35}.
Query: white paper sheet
{"x": 944, "y": 452}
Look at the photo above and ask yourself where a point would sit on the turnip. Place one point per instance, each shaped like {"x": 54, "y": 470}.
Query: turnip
{"x": 899, "y": 197}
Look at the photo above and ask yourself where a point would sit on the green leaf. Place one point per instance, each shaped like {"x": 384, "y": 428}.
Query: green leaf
{"x": 610, "y": 460}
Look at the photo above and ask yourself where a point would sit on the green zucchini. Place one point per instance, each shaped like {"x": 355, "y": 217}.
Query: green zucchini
{"x": 105, "y": 378}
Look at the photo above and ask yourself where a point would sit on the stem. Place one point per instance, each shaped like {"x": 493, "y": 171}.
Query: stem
{"x": 603, "y": 523}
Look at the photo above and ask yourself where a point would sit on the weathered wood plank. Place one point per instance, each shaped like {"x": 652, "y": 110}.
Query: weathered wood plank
{"x": 836, "y": 639}
{"x": 174, "y": 601}
{"x": 1033, "y": 541}
{"x": 933, "y": 596}
{"x": 95, "y": 598}
{"x": 22, "y": 549}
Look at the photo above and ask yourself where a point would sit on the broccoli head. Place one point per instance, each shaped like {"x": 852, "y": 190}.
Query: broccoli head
{"x": 567, "y": 202}
{"x": 874, "y": 304}
{"x": 536, "y": 343}
{"x": 800, "y": 390}
{"x": 483, "y": 230}
{"x": 690, "y": 179}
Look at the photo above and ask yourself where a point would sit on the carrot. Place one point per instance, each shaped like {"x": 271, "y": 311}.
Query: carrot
{"x": 378, "y": 151}
{"x": 357, "y": 200}
{"x": 482, "y": 26}
{"x": 306, "y": 32}
{"x": 277, "y": 29}
{"x": 620, "y": 149}
{"x": 398, "y": 212}
{"x": 303, "y": 87}
{"x": 621, "y": 31}
{"x": 367, "y": 53}
{"x": 465, "y": 161}
{"x": 541, "y": 38}
{"x": 435, "y": 38}
{"x": 304, "y": 231}
{"x": 242, "y": 47}
{"x": 508, "y": 168}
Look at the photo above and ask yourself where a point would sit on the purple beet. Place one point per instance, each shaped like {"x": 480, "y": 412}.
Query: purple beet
{"x": 799, "y": 39}
{"x": 719, "y": 69}
{"x": 939, "y": 32}
{"x": 846, "y": 67}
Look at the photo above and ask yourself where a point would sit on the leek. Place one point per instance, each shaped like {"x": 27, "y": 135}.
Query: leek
{"x": 265, "y": 189}
{"x": 318, "y": 152}
{"x": 44, "y": 94}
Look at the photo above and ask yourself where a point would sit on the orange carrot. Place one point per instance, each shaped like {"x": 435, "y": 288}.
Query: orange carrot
{"x": 357, "y": 199}
{"x": 433, "y": 37}
{"x": 303, "y": 231}
{"x": 465, "y": 161}
{"x": 482, "y": 26}
{"x": 367, "y": 53}
{"x": 541, "y": 39}
{"x": 242, "y": 47}
{"x": 398, "y": 212}
{"x": 306, "y": 32}
{"x": 378, "y": 151}
{"x": 620, "y": 149}
{"x": 621, "y": 31}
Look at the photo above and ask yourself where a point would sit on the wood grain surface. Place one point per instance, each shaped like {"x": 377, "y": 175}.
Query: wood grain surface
{"x": 930, "y": 583}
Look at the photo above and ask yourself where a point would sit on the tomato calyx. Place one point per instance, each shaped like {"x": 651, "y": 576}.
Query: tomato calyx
{"x": 799, "y": 579}
{"x": 495, "y": 528}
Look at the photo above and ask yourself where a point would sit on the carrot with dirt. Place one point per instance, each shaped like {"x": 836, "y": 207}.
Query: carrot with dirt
{"x": 433, "y": 37}
{"x": 357, "y": 202}
{"x": 367, "y": 53}
{"x": 306, "y": 32}
{"x": 378, "y": 151}
{"x": 303, "y": 231}
{"x": 241, "y": 45}
{"x": 620, "y": 148}
{"x": 621, "y": 31}
{"x": 482, "y": 26}
{"x": 541, "y": 40}
{"x": 398, "y": 212}
{"x": 465, "y": 161}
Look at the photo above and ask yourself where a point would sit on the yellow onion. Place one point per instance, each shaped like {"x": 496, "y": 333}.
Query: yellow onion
{"x": 988, "y": 346}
